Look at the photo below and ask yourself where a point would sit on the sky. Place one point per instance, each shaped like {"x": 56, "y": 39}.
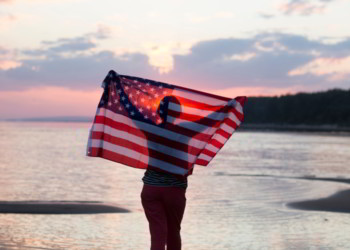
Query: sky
{"x": 55, "y": 53}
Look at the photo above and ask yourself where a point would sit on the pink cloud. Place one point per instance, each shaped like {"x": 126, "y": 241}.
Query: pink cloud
{"x": 335, "y": 68}
{"x": 48, "y": 102}
{"x": 255, "y": 91}
{"x": 302, "y": 8}
{"x": 9, "y": 64}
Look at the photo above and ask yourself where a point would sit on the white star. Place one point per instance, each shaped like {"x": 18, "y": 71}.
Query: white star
{"x": 112, "y": 93}
{"x": 142, "y": 100}
{"x": 161, "y": 102}
{"x": 159, "y": 121}
{"x": 132, "y": 113}
{"x": 144, "y": 90}
{"x": 148, "y": 107}
{"x": 164, "y": 93}
{"x": 138, "y": 92}
{"x": 127, "y": 105}
{"x": 115, "y": 101}
{"x": 152, "y": 89}
{"x": 135, "y": 102}
{"x": 119, "y": 91}
{"x": 160, "y": 86}
{"x": 156, "y": 95}
{"x": 135, "y": 80}
{"x": 153, "y": 114}
{"x": 139, "y": 86}
{"x": 140, "y": 109}
{"x": 120, "y": 108}
{"x": 123, "y": 98}
{"x": 160, "y": 111}
{"x": 109, "y": 104}
{"x": 126, "y": 87}
{"x": 146, "y": 117}
{"x": 130, "y": 95}
{"x": 147, "y": 84}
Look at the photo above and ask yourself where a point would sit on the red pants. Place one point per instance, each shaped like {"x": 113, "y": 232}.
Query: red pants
{"x": 164, "y": 208}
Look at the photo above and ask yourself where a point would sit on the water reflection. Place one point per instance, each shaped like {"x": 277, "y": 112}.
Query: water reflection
{"x": 238, "y": 202}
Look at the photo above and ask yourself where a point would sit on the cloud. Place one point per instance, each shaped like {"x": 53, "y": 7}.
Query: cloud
{"x": 6, "y": 59}
{"x": 264, "y": 60}
{"x": 268, "y": 60}
{"x": 335, "y": 69}
{"x": 305, "y": 7}
{"x": 70, "y": 46}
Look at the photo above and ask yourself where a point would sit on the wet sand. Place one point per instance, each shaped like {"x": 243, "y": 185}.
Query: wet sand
{"x": 338, "y": 202}
{"x": 59, "y": 207}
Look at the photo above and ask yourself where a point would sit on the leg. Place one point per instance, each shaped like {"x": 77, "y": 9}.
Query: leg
{"x": 175, "y": 202}
{"x": 155, "y": 213}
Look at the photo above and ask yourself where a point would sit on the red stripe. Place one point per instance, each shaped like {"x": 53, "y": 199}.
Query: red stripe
{"x": 112, "y": 156}
{"x": 216, "y": 143}
{"x": 198, "y": 105}
{"x": 237, "y": 114}
{"x": 223, "y": 133}
{"x": 202, "y": 162}
{"x": 230, "y": 123}
{"x": 208, "y": 152}
{"x": 146, "y": 135}
{"x": 142, "y": 150}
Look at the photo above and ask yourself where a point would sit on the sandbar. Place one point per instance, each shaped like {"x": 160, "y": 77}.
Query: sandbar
{"x": 59, "y": 207}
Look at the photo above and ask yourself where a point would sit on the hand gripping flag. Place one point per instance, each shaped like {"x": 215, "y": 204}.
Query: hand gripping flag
{"x": 147, "y": 124}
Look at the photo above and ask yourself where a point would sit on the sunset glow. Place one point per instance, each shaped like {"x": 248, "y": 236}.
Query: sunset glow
{"x": 54, "y": 54}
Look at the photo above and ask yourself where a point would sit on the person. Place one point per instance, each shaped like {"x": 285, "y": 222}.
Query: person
{"x": 163, "y": 195}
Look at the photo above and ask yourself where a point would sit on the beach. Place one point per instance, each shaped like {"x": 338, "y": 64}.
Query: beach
{"x": 264, "y": 190}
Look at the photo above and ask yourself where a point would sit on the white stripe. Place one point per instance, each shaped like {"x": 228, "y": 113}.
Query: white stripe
{"x": 152, "y": 129}
{"x": 144, "y": 143}
{"x": 198, "y": 97}
{"x": 137, "y": 156}
{"x": 227, "y": 128}
{"x": 220, "y": 138}
{"x": 205, "y": 157}
{"x": 191, "y": 125}
{"x": 212, "y": 148}
{"x": 234, "y": 118}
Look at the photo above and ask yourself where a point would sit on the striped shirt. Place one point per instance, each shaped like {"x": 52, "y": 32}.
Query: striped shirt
{"x": 161, "y": 179}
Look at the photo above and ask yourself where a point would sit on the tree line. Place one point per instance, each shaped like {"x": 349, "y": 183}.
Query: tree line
{"x": 331, "y": 107}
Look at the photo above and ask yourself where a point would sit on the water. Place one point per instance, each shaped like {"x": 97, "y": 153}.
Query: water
{"x": 238, "y": 202}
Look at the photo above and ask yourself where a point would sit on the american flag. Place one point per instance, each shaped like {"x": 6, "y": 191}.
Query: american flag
{"x": 148, "y": 124}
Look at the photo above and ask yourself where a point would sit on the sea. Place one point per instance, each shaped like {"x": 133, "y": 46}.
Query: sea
{"x": 239, "y": 201}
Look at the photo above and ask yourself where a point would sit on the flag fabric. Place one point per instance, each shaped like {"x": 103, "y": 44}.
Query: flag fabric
{"x": 148, "y": 124}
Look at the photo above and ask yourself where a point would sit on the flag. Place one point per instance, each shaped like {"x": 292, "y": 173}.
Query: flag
{"x": 154, "y": 125}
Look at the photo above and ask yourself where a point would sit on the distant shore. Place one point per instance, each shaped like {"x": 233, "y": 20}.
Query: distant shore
{"x": 244, "y": 127}
{"x": 294, "y": 128}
